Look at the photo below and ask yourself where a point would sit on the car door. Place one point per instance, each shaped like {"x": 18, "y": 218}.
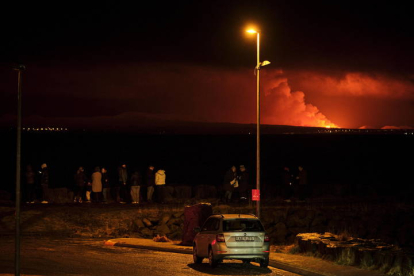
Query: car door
{"x": 203, "y": 238}
{"x": 212, "y": 231}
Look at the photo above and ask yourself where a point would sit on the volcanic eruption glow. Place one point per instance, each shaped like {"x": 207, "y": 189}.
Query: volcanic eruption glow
{"x": 286, "y": 107}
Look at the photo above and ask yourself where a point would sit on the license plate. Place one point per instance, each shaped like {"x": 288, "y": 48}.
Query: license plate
{"x": 244, "y": 238}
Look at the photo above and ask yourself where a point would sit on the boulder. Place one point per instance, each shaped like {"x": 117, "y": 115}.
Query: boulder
{"x": 295, "y": 221}
{"x": 279, "y": 233}
{"x": 162, "y": 230}
{"x": 147, "y": 233}
{"x": 147, "y": 222}
{"x": 178, "y": 214}
{"x": 139, "y": 224}
{"x": 279, "y": 215}
{"x": 174, "y": 221}
{"x": 165, "y": 218}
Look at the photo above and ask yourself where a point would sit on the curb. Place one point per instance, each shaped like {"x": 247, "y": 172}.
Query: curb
{"x": 154, "y": 248}
{"x": 293, "y": 269}
{"x": 273, "y": 263}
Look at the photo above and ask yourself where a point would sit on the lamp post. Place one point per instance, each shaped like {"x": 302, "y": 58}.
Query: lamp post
{"x": 20, "y": 69}
{"x": 257, "y": 71}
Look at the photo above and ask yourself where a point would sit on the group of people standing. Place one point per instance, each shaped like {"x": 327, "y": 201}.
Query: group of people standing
{"x": 295, "y": 185}
{"x": 37, "y": 184}
{"x": 128, "y": 188}
{"x": 236, "y": 185}
{"x": 131, "y": 186}
{"x": 291, "y": 184}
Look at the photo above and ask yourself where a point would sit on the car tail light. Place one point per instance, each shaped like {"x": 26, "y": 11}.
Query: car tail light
{"x": 220, "y": 238}
{"x": 266, "y": 238}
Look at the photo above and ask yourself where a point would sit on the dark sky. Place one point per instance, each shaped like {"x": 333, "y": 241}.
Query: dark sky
{"x": 342, "y": 63}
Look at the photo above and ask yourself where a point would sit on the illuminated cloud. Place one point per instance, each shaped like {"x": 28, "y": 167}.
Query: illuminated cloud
{"x": 282, "y": 106}
{"x": 355, "y": 99}
{"x": 186, "y": 92}
{"x": 355, "y": 84}
{"x": 397, "y": 127}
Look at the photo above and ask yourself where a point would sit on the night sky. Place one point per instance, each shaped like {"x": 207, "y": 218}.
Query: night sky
{"x": 334, "y": 63}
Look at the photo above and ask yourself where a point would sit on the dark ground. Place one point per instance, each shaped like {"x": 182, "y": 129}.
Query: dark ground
{"x": 53, "y": 256}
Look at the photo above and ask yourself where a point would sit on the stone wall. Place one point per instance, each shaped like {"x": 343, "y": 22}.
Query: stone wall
{"x": 370, "y": 254}
{"x": 391, "y": 223}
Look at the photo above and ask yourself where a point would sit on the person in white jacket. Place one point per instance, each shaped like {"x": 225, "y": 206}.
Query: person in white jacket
{"x": 160, "y": 183}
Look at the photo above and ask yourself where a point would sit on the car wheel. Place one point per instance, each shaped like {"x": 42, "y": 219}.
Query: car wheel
{"x": 264, "y": 263}
{"x": 196, "y": 258}
{"x": 211, "y": 260}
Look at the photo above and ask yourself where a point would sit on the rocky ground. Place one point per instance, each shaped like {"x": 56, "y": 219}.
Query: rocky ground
{"x": 351, "y": 222}
{"x": 372, "y": 254}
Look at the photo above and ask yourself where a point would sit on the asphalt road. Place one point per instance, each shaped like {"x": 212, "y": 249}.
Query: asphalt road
{"x": 49, "y": 256}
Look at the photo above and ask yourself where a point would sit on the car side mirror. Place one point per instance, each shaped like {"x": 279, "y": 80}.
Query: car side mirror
{"x": 197, "y": 229}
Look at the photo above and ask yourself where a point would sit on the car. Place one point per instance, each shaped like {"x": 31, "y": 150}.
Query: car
{"x": 231, "y": 236}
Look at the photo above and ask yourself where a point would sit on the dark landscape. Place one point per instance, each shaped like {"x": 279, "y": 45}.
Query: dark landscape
{"x": 343, "y": 164}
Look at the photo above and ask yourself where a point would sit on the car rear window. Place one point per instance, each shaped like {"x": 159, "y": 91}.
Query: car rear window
{"x": 242, "y": 225}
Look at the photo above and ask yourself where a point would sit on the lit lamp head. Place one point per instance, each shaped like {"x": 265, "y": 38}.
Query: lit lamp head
{"x": 252, "y": 31}
{"x": 264, "y": 63}
{"x": 19, "y": 67}
{"x": 261, "y": 64}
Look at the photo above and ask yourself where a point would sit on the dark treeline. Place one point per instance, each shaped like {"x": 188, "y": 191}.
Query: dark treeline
{"x": 359, "y": 164}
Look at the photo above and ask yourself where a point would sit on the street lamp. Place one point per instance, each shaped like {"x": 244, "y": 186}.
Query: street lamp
{"x": 20, "y": 68}
{"x": 259, "y": 65}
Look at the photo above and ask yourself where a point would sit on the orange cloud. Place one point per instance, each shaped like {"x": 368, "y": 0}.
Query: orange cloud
{"x": 354, "y": 99}
{"x": 282, "y": 106}
{"x": 198, "y": 93}
{"x": 355, "y": 84}
{"x": 397, "y": 127}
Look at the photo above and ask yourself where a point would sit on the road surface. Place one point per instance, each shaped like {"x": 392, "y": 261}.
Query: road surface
{"x": 49, "y": 256}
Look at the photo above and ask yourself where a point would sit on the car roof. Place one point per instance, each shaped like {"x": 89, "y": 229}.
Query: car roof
{"x": 236, "y": 216}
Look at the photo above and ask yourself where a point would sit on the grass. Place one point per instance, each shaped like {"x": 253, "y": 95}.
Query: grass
{"x": 286, "y": 249}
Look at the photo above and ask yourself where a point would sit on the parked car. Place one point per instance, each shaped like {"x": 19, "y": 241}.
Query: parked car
{"x": 231, "y": 236}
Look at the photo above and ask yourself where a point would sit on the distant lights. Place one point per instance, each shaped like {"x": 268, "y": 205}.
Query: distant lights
{"x": 47, "y": 129}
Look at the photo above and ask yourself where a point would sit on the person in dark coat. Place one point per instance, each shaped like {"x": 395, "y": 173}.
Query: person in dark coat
{"x": 135, "y": 186}
{"x": 123, "y": 183}
{"x": 243, "y": 180}
{"x": 105, "y": 184}
{"x": 44, "y": 183}
{"x": 150, "y": 182}
{"x": 80, "y": 183}
{"x": 302, "y": 181}
{"x": 229, "y": 181}
{"x": 30, "y": 184}
{"x": 286, "y": 182}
